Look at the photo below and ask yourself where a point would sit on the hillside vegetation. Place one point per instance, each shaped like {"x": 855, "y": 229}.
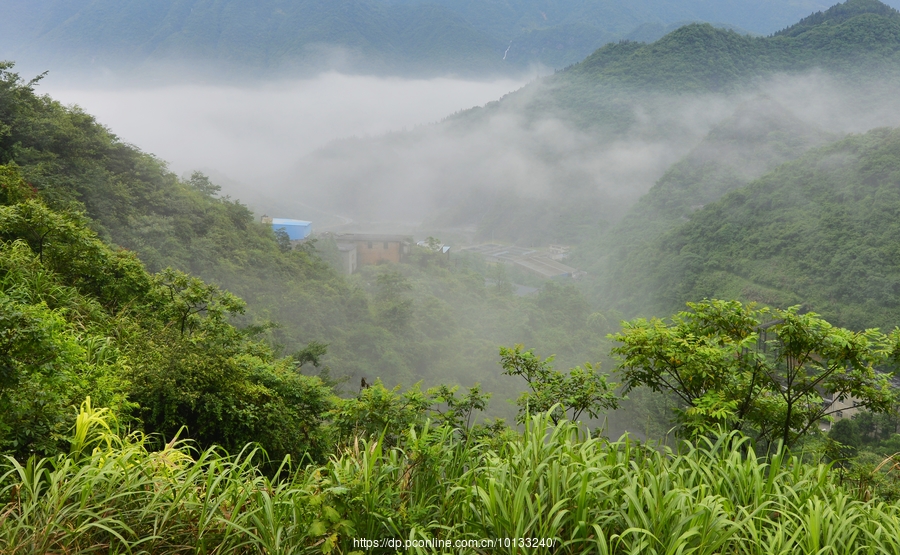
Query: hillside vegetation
{"x": 858, "y": 39}
{"x": 422, "y": 321}
{"x": 819, "y": 231}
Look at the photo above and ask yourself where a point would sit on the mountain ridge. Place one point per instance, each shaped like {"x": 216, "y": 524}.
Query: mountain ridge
{"x": 436, "y": 37}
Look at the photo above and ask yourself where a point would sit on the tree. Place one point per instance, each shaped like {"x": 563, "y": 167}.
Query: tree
{"x": 583, "y": 390}
{"x": 201, "y": 182}
{"x": 188, "y": 303}
{"x": 503, "y": 286}
{"x": 729, "y": 368}
{"x": 460, "y": 410}
{"x": 433, "y": 243}
{"x": 283, "y": 240}
{"x": 393, "y": 309}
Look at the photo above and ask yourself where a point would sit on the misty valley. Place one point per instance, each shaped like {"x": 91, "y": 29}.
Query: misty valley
{"x": 269, "y": 283}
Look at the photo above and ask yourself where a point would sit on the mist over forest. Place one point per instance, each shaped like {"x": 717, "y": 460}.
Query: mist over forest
{"x": 505, "y": 233}
{"x": 511, "y": 152}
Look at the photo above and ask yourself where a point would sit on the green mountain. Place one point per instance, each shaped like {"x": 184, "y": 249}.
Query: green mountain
{"x": 819, "y": 231}
{"x": 837, "y": 14}
{"x": 635, "y": 268}
{"x": 857, "y": 38}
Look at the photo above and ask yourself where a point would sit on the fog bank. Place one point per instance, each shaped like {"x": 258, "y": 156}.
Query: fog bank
{"x": 251, "y": 132}
{"x": 562, "y": 170}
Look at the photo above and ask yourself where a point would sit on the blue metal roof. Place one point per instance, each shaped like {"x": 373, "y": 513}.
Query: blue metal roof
{"x": 296, "y": 229}
{"x": 287, "y": 221}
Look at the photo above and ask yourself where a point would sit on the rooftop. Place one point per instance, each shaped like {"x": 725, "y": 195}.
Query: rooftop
{"x": 287, "y": 221}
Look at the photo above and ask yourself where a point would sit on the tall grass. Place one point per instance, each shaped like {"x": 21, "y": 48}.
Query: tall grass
{"x": 587, "y": 495}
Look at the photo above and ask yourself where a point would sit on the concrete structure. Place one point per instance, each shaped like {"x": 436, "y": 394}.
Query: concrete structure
{"x": 366, "y": 249}
{"x": 559, "y": 252}
{"x": 838, "y": 409}
{"x": 348, "y": 256}
{"x": 545, "y": 267}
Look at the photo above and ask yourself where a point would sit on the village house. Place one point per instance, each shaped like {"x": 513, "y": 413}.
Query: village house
{"x": 360, "y": 249}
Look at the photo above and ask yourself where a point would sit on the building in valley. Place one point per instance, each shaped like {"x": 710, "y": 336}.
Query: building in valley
{"x": 348, "y": 256}
{"x": 297, "y": 230}
{"x": 361, "y": 249}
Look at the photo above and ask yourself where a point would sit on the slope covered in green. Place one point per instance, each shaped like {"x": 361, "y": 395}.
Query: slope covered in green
{"x": 757, "y": 138}
{"x": 632, "y": 269}
{"x": 858, "y": 39}
{"x": 820, "y": 231}
{"x": 79, "y": 319}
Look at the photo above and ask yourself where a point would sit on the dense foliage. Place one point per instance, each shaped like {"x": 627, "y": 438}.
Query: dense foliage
{"x": 82, "y": 319}
{"x": 764, "y": 372}
{"x": 552, "y": 486}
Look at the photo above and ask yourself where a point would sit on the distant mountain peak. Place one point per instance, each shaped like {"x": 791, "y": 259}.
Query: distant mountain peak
{"x": 852, "y": 38}
{"x": 838, "y": 14}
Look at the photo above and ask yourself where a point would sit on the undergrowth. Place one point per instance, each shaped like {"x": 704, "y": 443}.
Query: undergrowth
{"x": 111, "y": 494}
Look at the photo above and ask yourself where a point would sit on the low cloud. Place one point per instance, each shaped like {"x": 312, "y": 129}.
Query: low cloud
{"x": 410, "y": 176}
{"x": 514, "y": 150}
{"x": 249, "y": 133}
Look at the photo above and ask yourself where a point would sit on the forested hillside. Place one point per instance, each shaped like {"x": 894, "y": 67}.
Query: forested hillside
{"x": 424, "y": 321}
{"x": 760, "y": 136}
{"x": 859, "y": 39}
{"x": 820, "y": 231}
{"x": 673, "y": 245}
